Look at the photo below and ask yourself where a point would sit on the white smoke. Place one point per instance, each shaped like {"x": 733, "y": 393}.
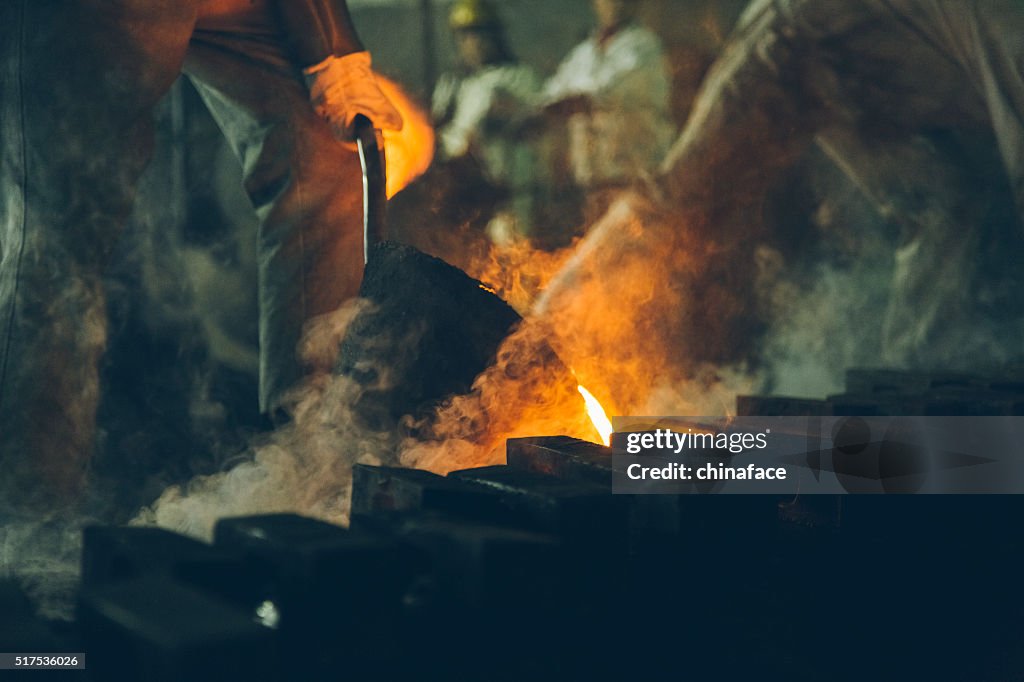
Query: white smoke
{"x": 44, "y": 556}
{"x": 303, "y": 466}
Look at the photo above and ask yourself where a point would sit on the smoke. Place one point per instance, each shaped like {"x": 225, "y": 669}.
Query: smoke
{"x": 528, "y": 391}
{"x": 108, "y": 379}
{"x": 636, "y": 315}
{"x": 645, "y": 311}
{"x": 44, "y": 556}
{"x": 303, "y": 466}
{"x": 615, "y": 312}
{"x": 826, "y": 283}
{"x": 51, "y": 390}
{"x": 630, "y": 312}
{"x": 47, "y": 433}
{"x": 517, "y": 271}
{"x": 822, "y": 329}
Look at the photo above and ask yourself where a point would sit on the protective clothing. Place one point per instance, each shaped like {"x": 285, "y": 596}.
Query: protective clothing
{"x": 629, "y": 128}
{"x": 486, "y": 106}
{"x": 483, "y": 110}
{"x": 78, "y": 80}
{"x": 341, "y": 88}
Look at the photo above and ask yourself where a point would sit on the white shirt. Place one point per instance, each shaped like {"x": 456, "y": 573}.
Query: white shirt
{"x": 630, "y": 128}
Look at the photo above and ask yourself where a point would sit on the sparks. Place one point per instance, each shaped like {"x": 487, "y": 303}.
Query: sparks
{"x": 597, "y": 415}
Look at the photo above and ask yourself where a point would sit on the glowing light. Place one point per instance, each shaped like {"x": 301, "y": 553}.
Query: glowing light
{"x": 597, "y": 415}
{"x": 268, "y": 615}
{"x": 407, "y": 152}
{"x": 488, "y": 289}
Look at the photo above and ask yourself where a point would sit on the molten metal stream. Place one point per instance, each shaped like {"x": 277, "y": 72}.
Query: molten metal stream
{"x": 598, "y": 416}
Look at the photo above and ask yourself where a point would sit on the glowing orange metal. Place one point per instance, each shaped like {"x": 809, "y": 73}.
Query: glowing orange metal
{"x": 598, "y": 416}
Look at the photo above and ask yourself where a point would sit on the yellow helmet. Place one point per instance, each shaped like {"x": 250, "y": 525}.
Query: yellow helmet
{"x": 470, "y": 14}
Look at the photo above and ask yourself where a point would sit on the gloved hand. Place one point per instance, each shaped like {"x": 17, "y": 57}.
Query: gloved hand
{"x": 340, "y": 88}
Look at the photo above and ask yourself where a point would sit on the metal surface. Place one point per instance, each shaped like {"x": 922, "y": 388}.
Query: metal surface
{"x": 371, "y": 160}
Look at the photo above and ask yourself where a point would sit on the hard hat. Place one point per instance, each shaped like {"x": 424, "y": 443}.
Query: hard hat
{"x": 470, "y": 14}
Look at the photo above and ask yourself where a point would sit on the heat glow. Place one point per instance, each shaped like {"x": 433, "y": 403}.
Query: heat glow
{"x": 409, "y": 151}
{"x": 598, "y": 416}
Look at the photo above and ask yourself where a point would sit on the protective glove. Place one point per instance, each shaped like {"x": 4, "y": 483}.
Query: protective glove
{"x": 340, "y": 88}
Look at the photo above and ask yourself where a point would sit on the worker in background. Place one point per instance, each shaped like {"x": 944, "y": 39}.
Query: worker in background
{"x": 285, "y": 81}
{"x": 919, "y": 102}
{"x": 478, "y": 111}
{"x": 613, "y": 90}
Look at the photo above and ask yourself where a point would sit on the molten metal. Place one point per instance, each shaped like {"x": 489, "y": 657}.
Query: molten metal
{"x": 598, "y": 416}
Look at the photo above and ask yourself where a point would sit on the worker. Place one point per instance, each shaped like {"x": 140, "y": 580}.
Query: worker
{"x": 613, "y": 91}
{"x": 478, "y": 110}
{"x": 285, "y": 81}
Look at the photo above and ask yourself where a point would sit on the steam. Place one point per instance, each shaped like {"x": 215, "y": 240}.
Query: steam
{"x": 645, "y": 311}
{"x": 304, "y": 466}
{"x": 823, "y": 329}
{"x": 632, "y": 313}
{"x": 47, "y": 430}
{"x": 528, "y": 391}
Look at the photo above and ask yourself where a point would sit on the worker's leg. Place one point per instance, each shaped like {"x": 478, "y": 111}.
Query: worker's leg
{"x": 305, "y": 185}
{"x": 77, "y": 81}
